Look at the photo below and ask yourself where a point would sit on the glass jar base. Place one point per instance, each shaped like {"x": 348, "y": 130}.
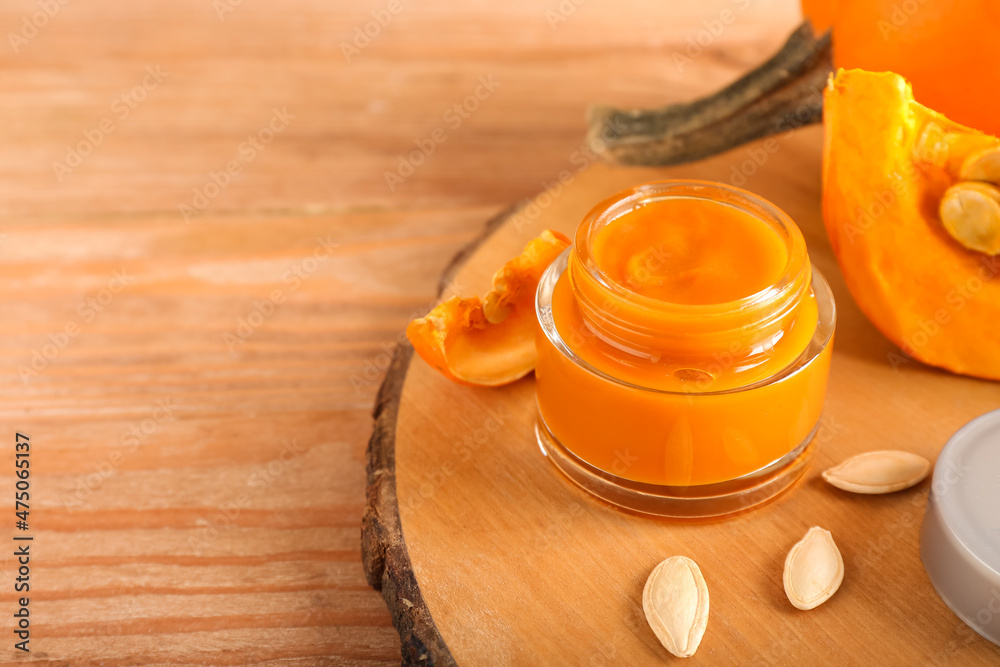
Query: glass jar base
{"x": 679, "y": 502}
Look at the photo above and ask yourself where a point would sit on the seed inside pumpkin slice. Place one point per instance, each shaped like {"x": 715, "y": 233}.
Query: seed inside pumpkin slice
{"x": 983, "y": 165}
{"x": 970, "y": 213}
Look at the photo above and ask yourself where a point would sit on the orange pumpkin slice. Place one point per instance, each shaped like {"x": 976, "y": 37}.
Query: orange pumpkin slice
{"x": 887, "y": 164}
{"x": 489, "y": 341}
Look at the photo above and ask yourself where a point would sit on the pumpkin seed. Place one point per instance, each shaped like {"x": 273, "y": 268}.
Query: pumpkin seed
{"x": 814, "y": 569}
{"x": 675, "y": 600}
{"x": 879, "y": 472}
{"x": 970, "y": 213}
{"x": 982, "y": 166}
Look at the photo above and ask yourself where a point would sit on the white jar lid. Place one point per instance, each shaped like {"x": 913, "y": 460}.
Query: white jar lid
{"x": 960, "y": 538}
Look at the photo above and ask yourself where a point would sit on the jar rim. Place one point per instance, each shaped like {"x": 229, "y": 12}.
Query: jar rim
{"x": 822, "y": 336}
{"x": 628, "y": 200}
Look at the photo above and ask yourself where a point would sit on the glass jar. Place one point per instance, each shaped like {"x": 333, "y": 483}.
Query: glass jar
{"x": 683, "y": 346}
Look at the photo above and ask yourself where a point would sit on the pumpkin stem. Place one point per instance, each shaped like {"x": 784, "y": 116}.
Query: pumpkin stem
{"x": 784, "y": 93}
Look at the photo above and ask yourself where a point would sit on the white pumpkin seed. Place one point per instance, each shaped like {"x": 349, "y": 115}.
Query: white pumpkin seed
{"x": 970, "y": 213}
{"x": 983, "y": 165}
{"x": 675, "y": 600}
{"x": 879, "y": 472}
{"x": 814, "y": 569}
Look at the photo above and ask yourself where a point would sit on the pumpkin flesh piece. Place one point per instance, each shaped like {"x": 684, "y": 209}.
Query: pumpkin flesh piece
{"x": 489, "y": 341}
{"x": 887, "y": 164}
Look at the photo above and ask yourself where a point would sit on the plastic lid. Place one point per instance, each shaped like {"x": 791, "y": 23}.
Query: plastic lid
{"x": 960, "y": 538}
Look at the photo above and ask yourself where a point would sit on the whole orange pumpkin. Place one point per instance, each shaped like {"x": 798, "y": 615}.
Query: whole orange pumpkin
{"x": 945, "y": 48}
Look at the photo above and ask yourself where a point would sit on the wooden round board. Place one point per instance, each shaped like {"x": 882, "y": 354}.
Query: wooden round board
{"x": 515, "y": 566}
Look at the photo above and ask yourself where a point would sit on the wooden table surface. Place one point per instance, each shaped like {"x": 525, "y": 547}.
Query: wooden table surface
{"x": 194, "y": 352}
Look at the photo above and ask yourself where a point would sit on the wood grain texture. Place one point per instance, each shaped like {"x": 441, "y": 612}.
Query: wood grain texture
{"x": 558, "y": 577}
{"x": 209, "y": 541}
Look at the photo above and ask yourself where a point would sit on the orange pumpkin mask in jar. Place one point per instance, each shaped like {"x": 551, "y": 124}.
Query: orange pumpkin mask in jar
{"x": 683, "y": 350}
